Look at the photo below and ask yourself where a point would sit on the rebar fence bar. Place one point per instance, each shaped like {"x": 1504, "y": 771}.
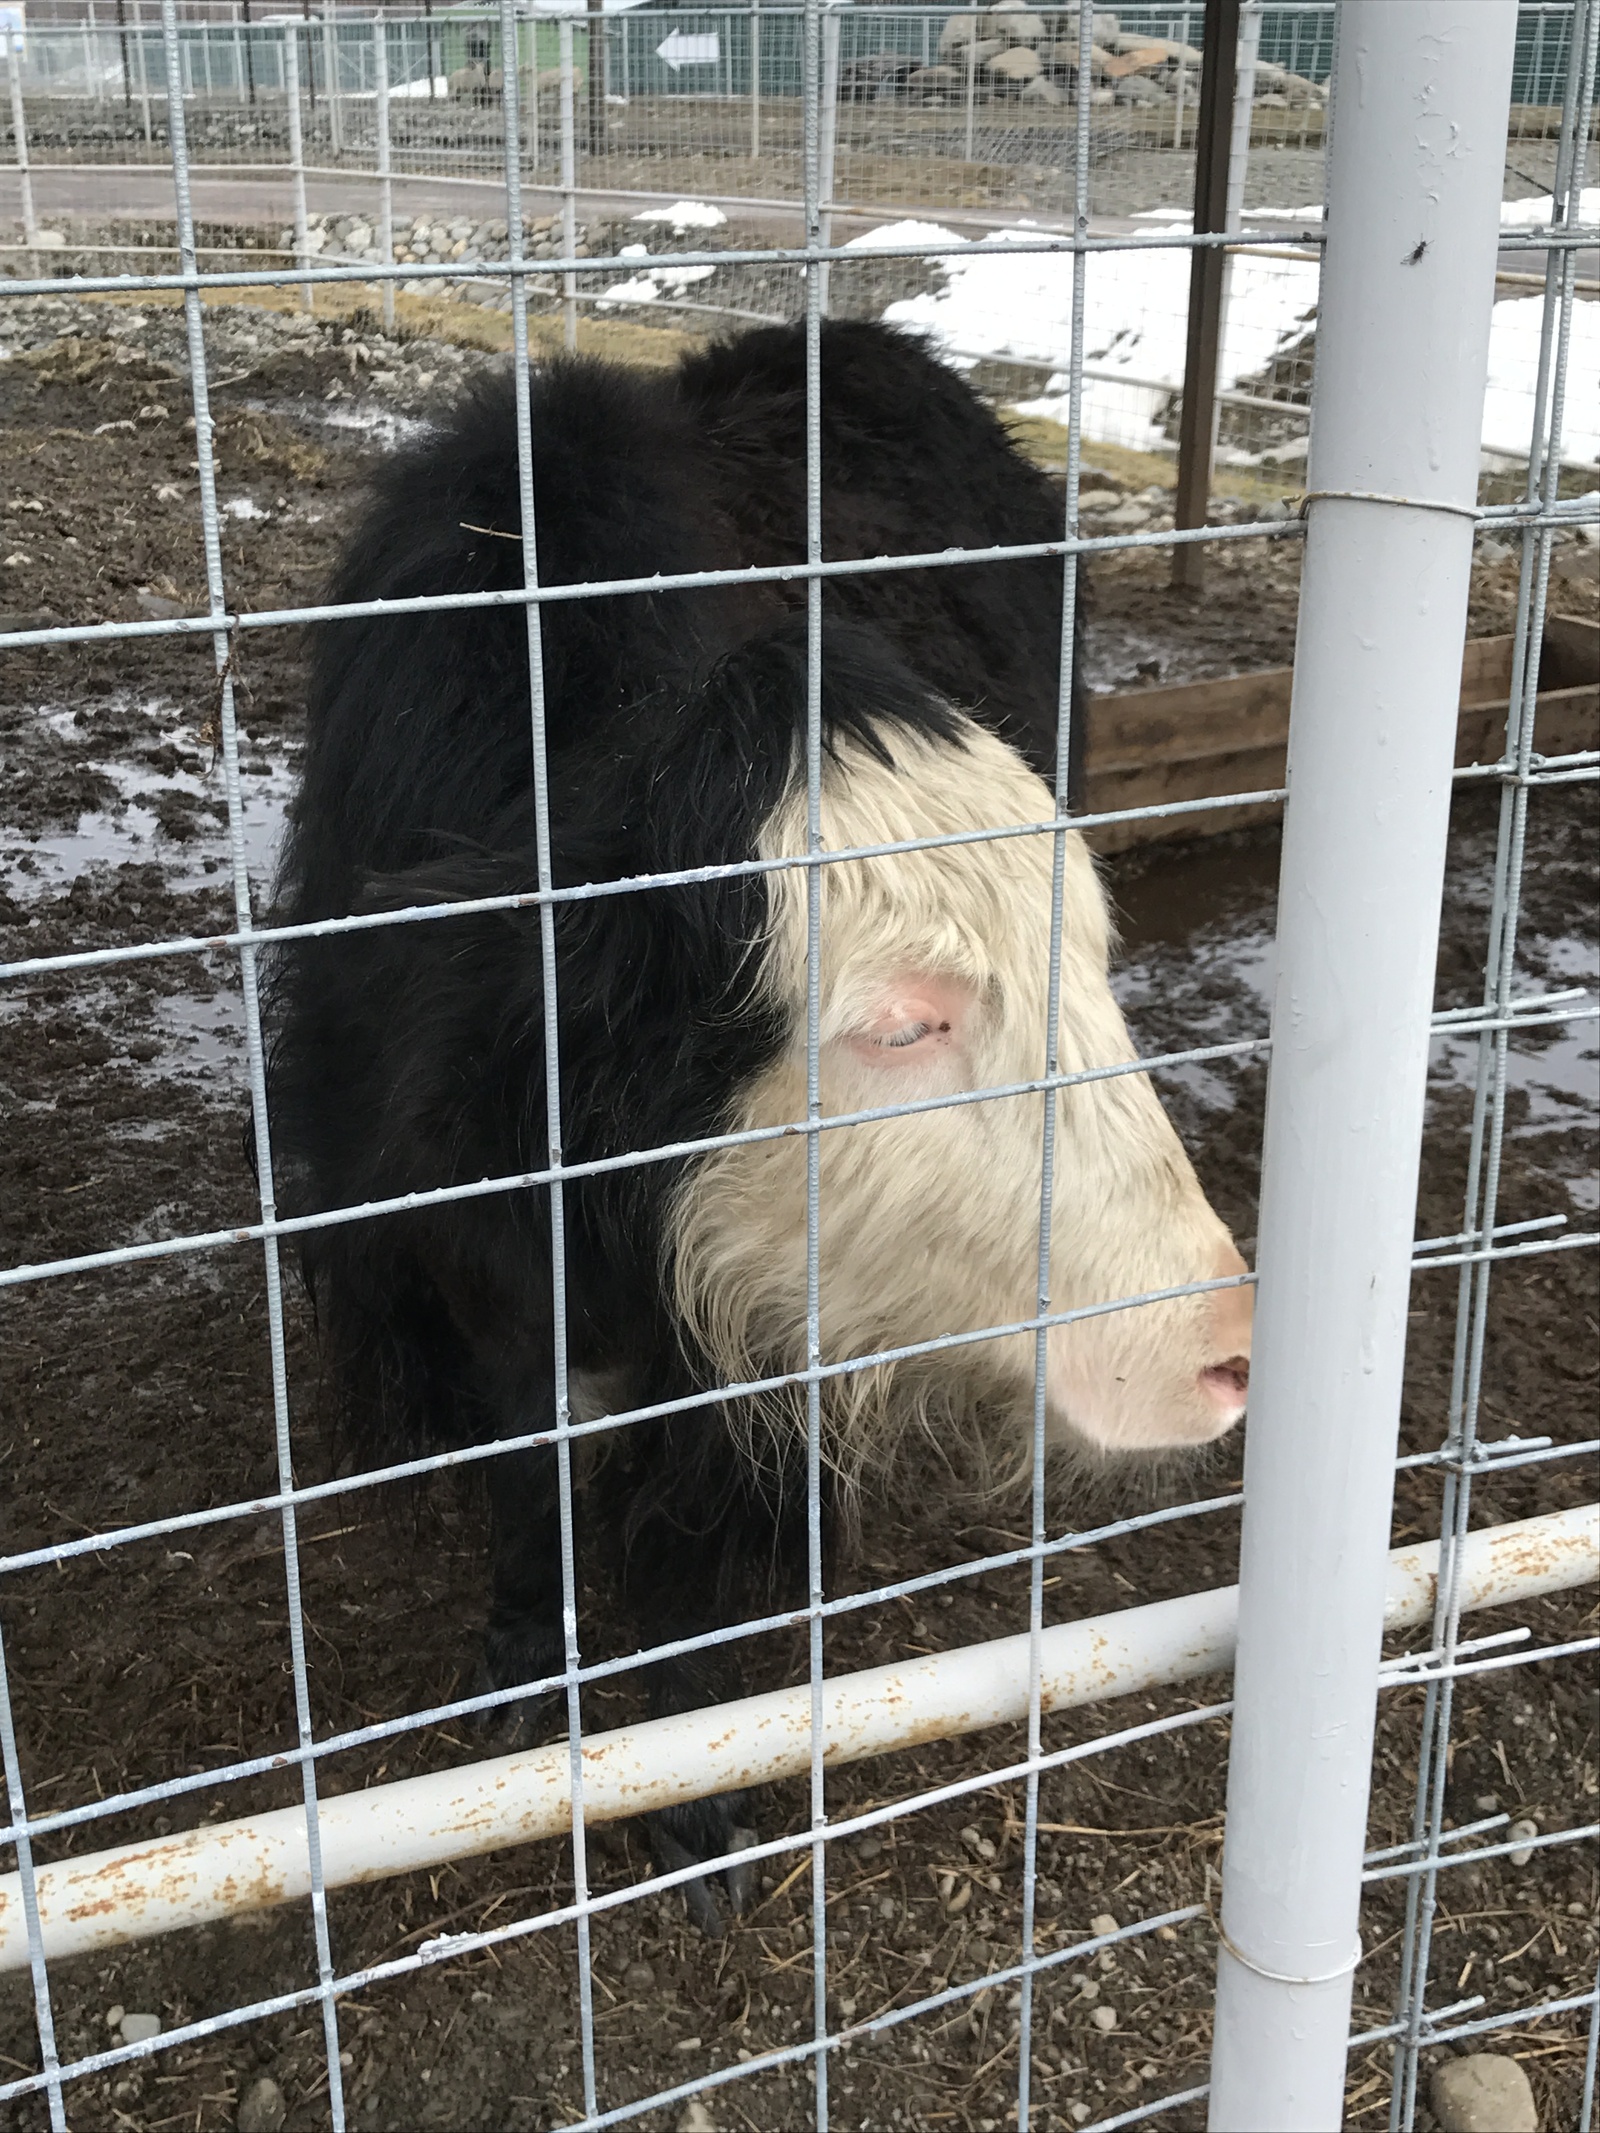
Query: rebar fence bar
{"x": 823, "y": 114}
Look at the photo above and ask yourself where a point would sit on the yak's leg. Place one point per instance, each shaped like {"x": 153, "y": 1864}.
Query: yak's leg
{"x": 706, "y": 1547}
{"x": 523, "y": 1642}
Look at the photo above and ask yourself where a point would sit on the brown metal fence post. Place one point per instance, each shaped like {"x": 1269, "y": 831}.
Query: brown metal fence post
{"x": 1206, "y": 267}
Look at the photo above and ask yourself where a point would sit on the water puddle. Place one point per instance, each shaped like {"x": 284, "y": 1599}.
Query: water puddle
{"x": 1200, "y": 967}
{"x": 174, "y": 819}
{"x": 200, "y": 1034}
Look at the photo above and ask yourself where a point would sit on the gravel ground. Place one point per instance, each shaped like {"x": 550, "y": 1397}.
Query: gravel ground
{"x": 143, "y": 1392}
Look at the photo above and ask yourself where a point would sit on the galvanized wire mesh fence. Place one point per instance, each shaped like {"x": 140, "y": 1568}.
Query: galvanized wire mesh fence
{"x": 827, "y": 129}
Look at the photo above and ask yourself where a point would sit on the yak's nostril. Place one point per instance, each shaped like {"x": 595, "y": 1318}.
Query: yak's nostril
{"x": 1228, "y": 1383}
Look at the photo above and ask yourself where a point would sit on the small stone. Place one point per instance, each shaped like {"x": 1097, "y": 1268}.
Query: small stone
{"x": 1088, "y": 1988}
{"x": 639, "y": 1977}
{"x": 1526, "y": 1830}
{"x": 139, "y": 2028}
{"x": 1102, "y": 1923}
{"x": 1483, "y": 2094}
{"x": 1078, "y": 2113}
{"x": 1167, "y": 1933}
{"x": 1487, "y": 1803}
{"x": 1137, "y": 89}
{"x": 1104, "y": 2019}
{"x": 262, "y": 2108}
{"x": 114, "y": 2016}
{"x": 696, "y": 2118}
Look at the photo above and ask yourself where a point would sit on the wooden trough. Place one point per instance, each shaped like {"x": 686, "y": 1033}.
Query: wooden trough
{"x": 1205, "y": 738}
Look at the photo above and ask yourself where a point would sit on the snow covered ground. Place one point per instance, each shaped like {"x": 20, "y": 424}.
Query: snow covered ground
{"x": 1136, "y": 308}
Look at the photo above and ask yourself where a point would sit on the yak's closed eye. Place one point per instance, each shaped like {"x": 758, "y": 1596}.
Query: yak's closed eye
{"x": 917, "y": 1019}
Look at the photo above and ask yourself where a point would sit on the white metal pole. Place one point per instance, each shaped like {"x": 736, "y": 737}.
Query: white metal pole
{"x": 1182, "y": 84}
{"x": 1415, "y": 167}
{"x": 104, "y": 1898}
{"x": 380, "y": 105}
{"x": 19, "y": 132}
{"x": 1244, "y": 95}
{"x": 569, "y": 194}
{"x": 330, "y": 64}
{"x": 972, "y": 83}
{"x": 828, "y": 137}
{"x": 144, "y": 80}
{"x": 755, "y": 76}
{"x": 297, "y": 158}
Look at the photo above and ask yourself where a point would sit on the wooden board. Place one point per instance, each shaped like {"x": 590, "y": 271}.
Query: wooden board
{"x": 1203, "y": 739}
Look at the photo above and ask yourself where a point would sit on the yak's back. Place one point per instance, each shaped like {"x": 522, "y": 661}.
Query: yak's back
{"x": 420, "y": 729}
{"x": 912, "y": 463}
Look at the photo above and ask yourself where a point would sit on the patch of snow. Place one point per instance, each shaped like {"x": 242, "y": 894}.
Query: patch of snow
{"x": 383, "y": 423}
{"x": 1136, "y": 324}
{"x": 685, "y": 215}
{"x": 645, "y": 288}
{"x": 892, "y": 233}
{"x": 640, "y": 290}
{"x": 1514, "y": 370}
{"x": 244, "y": 507}
{"x": 1312, "y": 212}
{"x": 1535, "y": 214}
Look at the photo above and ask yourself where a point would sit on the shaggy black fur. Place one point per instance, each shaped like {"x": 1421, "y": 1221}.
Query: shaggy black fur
{"x": 412, "y": 1057}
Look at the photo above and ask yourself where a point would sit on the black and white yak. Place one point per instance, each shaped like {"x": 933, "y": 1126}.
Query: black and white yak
{"x": 414, "y": 1056}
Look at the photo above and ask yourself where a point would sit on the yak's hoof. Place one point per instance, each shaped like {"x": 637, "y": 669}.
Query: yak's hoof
{"x": 706, "y": 1829}
{"x": 518, "y": 1652}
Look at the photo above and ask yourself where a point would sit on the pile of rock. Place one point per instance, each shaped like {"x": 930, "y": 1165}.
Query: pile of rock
{"x": 1011, "y": 50}
{"x": 477, "y": 83}
{"x": 435, "y": 240}
{"x": 1106, "y": 506}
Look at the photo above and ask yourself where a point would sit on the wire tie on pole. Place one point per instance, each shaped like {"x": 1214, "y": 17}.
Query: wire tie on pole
{"x": 1274, "y": 1977}
{"x": 230, "y": 670}
{"x": 1280, "y": 1977}
{"x": 1377, "y": 496}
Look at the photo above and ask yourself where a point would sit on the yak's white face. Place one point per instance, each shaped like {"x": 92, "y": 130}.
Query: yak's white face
{"x": 934, "y": 981}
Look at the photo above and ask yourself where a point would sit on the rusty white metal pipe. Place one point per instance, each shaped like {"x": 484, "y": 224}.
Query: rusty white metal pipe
{"x": 142, "y": 1889}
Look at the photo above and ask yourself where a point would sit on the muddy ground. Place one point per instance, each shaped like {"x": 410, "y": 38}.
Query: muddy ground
{"x": 144, "y": 1392}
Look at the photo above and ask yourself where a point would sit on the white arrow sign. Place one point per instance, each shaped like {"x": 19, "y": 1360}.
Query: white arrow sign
{"x": 680, "y": 51}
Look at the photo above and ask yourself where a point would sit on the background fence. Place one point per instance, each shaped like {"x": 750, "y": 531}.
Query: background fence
{"x": 996, "y": 1856}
